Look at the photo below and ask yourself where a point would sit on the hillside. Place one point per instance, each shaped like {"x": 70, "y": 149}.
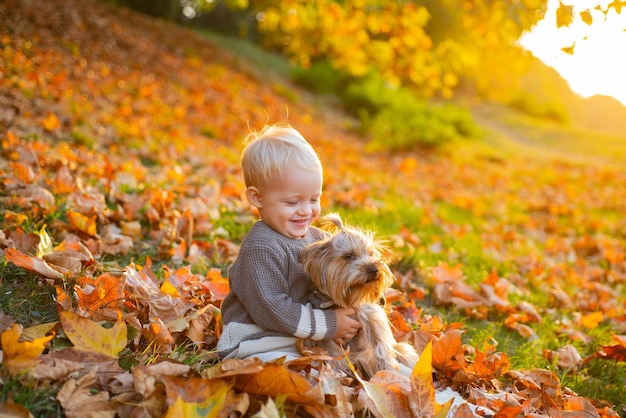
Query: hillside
{"x": 122, "y": 206}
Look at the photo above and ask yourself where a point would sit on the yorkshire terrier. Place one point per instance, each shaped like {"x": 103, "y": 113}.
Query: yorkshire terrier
{"x": 350, "y": 269}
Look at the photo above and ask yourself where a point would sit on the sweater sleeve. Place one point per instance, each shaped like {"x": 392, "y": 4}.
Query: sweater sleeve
{"x": 262, "y": 282}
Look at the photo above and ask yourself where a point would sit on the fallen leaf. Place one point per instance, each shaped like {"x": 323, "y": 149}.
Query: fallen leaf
{"x": 422, "y": 399}
{"x": 32, "y": 264}
{"x": 87, "y": 335}
{"x": 447, "y": 352}
{"x": 78, "y": 400}
{"x": 19, "y": 356}
{"x": 567, "y": 357}
{"x": 13, "y": 410}
{"x": 275, "y": 379}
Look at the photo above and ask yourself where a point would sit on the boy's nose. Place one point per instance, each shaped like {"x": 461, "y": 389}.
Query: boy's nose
{"x": 305, "y": 209}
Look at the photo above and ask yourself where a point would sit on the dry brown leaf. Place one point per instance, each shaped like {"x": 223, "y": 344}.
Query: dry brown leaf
{"x": 567, "y": 357}
{"x": 78, "y": 400}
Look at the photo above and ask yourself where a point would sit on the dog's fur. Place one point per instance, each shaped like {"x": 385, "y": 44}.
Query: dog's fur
{"x": 350, "y": 268}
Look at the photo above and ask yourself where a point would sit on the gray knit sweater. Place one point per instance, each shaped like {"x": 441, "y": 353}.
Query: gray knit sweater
{"x": 270, "y": 292}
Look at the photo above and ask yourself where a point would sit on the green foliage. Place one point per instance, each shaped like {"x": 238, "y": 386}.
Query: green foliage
{"x": 320, "y": 78}
{"x": 396, "y": 119}
{"x": 531, "y": 106}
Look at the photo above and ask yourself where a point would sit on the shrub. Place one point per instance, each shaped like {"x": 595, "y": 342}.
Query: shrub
{"x": 396, "y": 119}
{"x": 534, "y": 107}
{"x": 405, "y": 127}
{"x": 320, "y": 78}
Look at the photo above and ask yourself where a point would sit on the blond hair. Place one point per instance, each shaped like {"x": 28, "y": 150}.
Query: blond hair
{"x": 268, "y": 151}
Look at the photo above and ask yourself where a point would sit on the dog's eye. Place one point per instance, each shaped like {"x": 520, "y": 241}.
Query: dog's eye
{"x": 349, "y": 256}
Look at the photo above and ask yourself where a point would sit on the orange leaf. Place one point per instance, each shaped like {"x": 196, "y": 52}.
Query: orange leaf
{"x": 32, "y": 264}
{"x": 50, "y": 122}
{"x": 104, "y": 291}
{"x": 276, "y": 379}
{"x": 217, "y": 284}
{"x": 592, "y": 320}
{"x": 444, "y": 273}
{"x": 447, "y": 353}
{"x": 489, "y": 366}
{"x": 82, "y": 223}
{"x": 19, "y": 356}
{"x": 158, "y": 335}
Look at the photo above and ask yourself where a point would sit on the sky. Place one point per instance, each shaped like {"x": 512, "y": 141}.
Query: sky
{"x": 598, "y": 65}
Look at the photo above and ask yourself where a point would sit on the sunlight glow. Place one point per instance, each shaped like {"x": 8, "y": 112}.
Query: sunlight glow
{"x": 598, "y": 64}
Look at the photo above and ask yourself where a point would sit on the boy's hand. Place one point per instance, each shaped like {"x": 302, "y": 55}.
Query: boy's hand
{"x": 347, "y": 326}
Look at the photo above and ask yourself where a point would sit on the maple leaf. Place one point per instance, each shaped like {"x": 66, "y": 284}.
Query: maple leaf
{"x": 488, "y": 367}
{"x": 19, "y": 356}
{"x": 105, "y": 292}
{"x": 72, "y": 260}
{"x": 274, "y": 379}
{"x": 88, "y": 335}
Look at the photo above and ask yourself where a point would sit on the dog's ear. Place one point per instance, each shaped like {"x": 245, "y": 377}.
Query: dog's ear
{"x": 332, "y": 223}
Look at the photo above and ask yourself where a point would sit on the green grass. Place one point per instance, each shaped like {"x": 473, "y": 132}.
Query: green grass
{"x": 25, "y": 297}
{"x": 39, "y": 400}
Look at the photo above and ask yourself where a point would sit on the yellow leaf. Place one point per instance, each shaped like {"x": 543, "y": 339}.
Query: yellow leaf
{"x": 422, "y": 398}
{"x": 422, "y": 387}
{"x": 88, "y": 335}
{"x": 564, "y": 15}
{"x": 169, "y": 289}
{"x": 19, "y": 356}
{"x": 45, "y": 242}
{"x": 209, "y": 408}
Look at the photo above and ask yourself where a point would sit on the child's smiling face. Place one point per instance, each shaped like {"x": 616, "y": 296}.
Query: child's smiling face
{"x": 290, "y": 201}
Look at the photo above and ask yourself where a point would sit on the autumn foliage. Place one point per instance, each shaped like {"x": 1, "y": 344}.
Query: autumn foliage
{"x": 119, "y": 169}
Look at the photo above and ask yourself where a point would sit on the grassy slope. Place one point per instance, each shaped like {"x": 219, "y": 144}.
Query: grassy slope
{"x": 526, "y": 200}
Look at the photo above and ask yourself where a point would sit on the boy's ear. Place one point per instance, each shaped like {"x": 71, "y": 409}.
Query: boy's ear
{"x": 254, "y": 196}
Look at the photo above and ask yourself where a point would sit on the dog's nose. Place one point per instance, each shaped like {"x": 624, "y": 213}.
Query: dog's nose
{"x": 372, "y": 272}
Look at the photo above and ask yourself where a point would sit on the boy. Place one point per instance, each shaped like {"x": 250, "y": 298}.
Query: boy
{"x": 268, "y": 307}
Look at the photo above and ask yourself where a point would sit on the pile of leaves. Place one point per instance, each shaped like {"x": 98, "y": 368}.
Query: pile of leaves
{"x": 120, "y": 188}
